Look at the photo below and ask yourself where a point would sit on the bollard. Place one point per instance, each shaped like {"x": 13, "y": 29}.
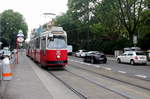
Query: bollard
{"x": 6, "y": 68}
{"x": 0, "y": 73}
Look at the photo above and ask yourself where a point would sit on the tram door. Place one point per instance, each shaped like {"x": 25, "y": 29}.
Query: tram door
{"x": 43, "y": 50}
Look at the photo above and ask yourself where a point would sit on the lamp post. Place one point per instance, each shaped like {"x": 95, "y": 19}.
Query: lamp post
{"x": 20, "y": 39}
{"x": 49, "y": 14}
{"x": 0, "y": 33}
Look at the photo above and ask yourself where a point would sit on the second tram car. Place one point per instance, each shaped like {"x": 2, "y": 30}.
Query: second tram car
{"x": 50, "y": 48}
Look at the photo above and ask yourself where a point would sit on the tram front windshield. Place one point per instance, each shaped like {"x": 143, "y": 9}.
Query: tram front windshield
{"x": 58, "y": 42}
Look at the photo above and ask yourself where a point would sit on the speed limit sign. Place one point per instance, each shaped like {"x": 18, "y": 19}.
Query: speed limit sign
{"x": 20, "y": 39}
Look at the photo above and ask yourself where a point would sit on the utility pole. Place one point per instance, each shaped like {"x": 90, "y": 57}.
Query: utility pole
{"x": 0, "y": 33}
{"x": 48, "y": 15}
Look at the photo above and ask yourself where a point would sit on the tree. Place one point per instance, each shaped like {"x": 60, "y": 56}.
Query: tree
{"x": 82, "y": 10}
{"x": 105, "y": 24}
{"x": 71, "y": 26}
{"x": 11, "y": 22}
{"x": 147, "y": 3}
{"x": 107, "y": 21}
{"x": 130, "y": 13}
{"x": 144, "y": 31}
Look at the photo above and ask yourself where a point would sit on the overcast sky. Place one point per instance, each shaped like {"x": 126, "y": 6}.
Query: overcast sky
{"x": 33, "y": 10}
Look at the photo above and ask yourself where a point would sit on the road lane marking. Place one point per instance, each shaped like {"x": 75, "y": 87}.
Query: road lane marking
{"x": 123, "y": 72}
{"x": 141, "y": 76}
{"x": 70, "y": 60}
{"x": 107, "y": 68}
{"x": 97, "y": 66}
{"x": 130, "y": 90}
{"x": 83, "y": 63}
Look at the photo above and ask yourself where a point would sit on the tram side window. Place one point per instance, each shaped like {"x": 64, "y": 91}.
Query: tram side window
{"x": 38, "y": 43}
{"x": 43, "y": 43}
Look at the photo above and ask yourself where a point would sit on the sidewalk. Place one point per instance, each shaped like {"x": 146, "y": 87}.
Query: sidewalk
{"x": 31, "y": 82}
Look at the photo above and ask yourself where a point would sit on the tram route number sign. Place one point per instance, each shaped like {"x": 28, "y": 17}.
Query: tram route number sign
{"x": 20, "y": 39}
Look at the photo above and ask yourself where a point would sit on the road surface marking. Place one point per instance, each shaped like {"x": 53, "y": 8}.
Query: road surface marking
{"x": 97, "y": 66}
{"x": 107, "y": 68}
{"x": 142, "y": 76}
{"x": 123, "y": 72}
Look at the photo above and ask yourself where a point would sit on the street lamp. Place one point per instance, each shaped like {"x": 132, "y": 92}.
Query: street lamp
{"x": 49, "y": 14}
{"x": 20, "y": 39}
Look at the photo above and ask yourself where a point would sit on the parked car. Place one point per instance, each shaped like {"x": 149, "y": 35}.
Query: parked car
{"x": 7, "y": 52}
{"x": 133, "y": 57}
{"x": 81, "y": 53}
{"x": 14, "y": 51}
{"x": 95, "y": 57}
{"x": 69, "y": 49}
{"x": 1, "y": 54}
{"x": 148, "y": 55}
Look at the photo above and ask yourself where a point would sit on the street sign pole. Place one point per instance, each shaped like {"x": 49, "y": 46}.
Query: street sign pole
{"x": 135, "y": 40}
{"x": 20, "y": 39}
{"x": 17, "y": 52}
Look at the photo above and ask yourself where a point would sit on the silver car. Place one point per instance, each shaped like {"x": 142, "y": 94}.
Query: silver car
{"x": 133, "y": 57}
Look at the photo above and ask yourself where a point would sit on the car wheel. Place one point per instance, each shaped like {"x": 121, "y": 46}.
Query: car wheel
{"x": 92, "y": 61}
{"x": 105, "y": 61}
{"x": 132, "y": 62}
{"x": 145, "y": 64}
{"x": 84, "y": 60}
{"x": 118, "y": 60}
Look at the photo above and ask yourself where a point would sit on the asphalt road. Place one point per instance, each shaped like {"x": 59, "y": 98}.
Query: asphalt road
{"x": 139, "y": 71}
{"x": 98, "y": 81}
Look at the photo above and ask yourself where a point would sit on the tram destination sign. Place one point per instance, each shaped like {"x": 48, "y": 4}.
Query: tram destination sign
{"x": 57, "y": 32}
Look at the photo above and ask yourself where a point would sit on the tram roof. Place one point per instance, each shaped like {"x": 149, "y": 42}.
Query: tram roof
{"x": 54, "y": 30}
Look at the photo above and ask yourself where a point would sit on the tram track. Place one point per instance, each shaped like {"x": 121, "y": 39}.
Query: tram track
{"x": 109, "y": 77}
{"x": 90, "y": 81}
{"x": 69, "y": 87}
{"x": 99, "y": 85}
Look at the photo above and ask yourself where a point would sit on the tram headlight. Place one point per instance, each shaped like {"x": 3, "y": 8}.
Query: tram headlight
{"x": 58, "y": 56}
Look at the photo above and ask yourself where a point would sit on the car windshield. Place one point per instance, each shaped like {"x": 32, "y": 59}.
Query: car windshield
{"x": 57, "y": 43}
{"x": 140, "y": 53}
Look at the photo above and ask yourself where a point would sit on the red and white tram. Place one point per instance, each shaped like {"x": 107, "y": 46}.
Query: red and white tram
{"x": 50, "y": 48}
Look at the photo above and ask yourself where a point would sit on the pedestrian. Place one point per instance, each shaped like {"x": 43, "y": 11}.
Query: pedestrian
{"x": 6, "y": 67}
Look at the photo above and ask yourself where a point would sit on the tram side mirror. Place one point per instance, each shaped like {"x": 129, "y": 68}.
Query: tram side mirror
{"x": 50, "y": 37}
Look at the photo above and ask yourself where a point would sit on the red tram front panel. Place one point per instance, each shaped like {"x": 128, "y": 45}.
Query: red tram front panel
{"x": 53, "y": 57}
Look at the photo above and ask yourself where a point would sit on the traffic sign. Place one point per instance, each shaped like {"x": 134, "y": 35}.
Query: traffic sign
{"x": 20, "y": 34}
{"x": 20, "y": 39}
{"x": 135, "y": 39}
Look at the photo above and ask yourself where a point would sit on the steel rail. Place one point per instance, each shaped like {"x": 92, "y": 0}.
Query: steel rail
{"x": 98, "y": 84}
{"x": 69, "y": 87}
{"x": 112, "y": 78}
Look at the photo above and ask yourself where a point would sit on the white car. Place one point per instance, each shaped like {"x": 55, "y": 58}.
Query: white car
{"x": 133, "y": 57}
{"x": 80, "y": 53}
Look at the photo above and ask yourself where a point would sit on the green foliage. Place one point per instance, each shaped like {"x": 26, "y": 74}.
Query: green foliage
{"x": 145, "y": 24}
{"x": 130, "y": 13}
{"x": 11, "y": 22}
{"x": 105, "y": 25}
